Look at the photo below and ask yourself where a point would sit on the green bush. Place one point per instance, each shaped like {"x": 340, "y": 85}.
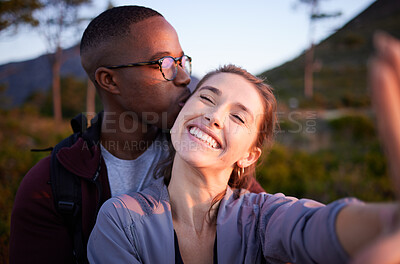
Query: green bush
{"x": 20, "y": 131}
{"x": 352, "y": 164}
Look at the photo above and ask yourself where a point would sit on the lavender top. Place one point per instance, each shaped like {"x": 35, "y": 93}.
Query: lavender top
{"x": 251, "y": 228}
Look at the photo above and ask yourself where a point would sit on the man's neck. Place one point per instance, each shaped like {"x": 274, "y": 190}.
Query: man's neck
{"x": 126, "y": 138}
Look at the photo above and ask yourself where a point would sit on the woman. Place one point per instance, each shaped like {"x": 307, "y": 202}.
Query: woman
{"x": 191, "y": 215}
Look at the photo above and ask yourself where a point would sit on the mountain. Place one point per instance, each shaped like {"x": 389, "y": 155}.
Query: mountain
{"x": 19, "y": 80}
{"x": 22, "y": 79}
{"x": 340, "y": 79}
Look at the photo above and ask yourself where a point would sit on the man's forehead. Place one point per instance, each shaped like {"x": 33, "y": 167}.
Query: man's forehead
{"x": 152, "y": 25}
{"x": 153, "y": 38}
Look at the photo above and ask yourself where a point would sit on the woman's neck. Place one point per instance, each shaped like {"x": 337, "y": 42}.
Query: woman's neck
{"x": 192, "y": 191}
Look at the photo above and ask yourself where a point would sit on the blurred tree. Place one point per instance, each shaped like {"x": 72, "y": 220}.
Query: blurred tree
{"x": 56, "y": 19}
{"x": 315, "y": 14}
{"x": 110, "y": 4}
{"x": 15, "y": 12}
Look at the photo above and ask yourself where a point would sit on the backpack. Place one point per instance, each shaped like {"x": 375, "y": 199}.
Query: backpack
{"x": 66, "y": 190}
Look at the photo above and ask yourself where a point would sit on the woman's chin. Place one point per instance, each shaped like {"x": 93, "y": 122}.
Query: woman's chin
{"x": 196, "y": 158}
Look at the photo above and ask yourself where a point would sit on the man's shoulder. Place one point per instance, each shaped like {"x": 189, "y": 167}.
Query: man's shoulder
{"x": 38, "y": 175}
{"x": 35, "y": 186}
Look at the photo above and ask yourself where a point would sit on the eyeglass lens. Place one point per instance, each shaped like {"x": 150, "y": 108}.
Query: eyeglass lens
{"x": 186, "y": 65}
{"x": 169, "y": 69}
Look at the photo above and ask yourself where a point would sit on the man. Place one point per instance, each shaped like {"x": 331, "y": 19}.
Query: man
{"x": 134, "y": 58}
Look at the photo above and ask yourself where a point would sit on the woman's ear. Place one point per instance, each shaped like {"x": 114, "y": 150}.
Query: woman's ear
{"x": 105, "y": 79}
{"x": 251, "y": 157}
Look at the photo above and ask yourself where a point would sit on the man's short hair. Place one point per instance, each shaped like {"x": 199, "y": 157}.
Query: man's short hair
{"x": 113, "y": 23}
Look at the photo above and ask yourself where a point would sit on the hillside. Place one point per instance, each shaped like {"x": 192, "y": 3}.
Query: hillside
{"x": 341, "y": 59}
{"x": 19, "y": 80}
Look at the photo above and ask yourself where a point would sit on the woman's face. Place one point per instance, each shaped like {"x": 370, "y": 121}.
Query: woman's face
{"x": 218, "y": 125}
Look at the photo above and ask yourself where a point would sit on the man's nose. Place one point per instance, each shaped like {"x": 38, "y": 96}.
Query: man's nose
{"x": 182, "y": 77}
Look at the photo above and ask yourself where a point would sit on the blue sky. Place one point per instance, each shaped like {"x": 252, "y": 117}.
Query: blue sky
{"x": 255, "y": 34}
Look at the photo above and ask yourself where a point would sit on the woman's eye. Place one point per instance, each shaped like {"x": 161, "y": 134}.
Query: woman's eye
{"x": 206, "y": 98}
{"x": 239, "y": 118}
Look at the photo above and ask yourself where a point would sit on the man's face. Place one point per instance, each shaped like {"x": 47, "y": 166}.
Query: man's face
{"x": 143, "y": 90}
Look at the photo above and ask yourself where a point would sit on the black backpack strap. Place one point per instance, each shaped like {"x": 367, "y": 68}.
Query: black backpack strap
{"x": 79, "y": 123}
{"x": 66, "y": 188}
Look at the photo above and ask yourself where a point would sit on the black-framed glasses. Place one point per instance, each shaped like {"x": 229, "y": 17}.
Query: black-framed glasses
{"x": 168, "y": 65}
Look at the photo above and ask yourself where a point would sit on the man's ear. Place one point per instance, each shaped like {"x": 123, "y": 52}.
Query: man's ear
{"x": 105, "y": 79}
{"x": 250, "y": 157}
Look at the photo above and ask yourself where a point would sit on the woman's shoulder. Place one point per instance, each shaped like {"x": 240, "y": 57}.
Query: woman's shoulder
{"x": 244, "y": 197}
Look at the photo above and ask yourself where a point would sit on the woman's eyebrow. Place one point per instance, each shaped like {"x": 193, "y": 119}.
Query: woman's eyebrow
{"x": 245, "y": 109}
{"x": 212, "y": 89}
{"x": 238, "y": 105}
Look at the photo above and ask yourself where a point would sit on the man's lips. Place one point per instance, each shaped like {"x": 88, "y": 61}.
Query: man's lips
{"x": 183, "y": 99}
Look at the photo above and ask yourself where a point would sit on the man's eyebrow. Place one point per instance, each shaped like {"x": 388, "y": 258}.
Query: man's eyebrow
{"x": 212, "y": 89}
{"x": 161, "y": 54}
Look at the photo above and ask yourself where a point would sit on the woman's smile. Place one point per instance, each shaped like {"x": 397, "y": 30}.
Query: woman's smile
{"x": 204, "y": 137}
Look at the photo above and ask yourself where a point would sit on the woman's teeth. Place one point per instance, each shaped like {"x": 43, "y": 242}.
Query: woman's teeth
{"x": 195, "y": 131}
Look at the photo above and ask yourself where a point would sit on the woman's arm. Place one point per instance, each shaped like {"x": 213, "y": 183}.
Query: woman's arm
{"x": 302, "y": 231}
{"x": 111, "y": 240}
{"x": 384, "y": 82}
{"x": 357, "y": 225}
{"x": 384, "y": 251}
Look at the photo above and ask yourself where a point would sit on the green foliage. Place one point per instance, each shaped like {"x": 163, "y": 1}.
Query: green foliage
{"x": 287, "y": 172}
{"x": 353, "y": 128}
{"x": 20, "y": 131}
{"x": 4, "y": 99}
{"x": 14, "y": 12}
{"x": 351, "y": 164}
{"x": 73, "y": 98}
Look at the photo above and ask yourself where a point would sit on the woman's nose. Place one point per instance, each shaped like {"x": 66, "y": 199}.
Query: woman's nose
{"x": 215, "y": 119}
